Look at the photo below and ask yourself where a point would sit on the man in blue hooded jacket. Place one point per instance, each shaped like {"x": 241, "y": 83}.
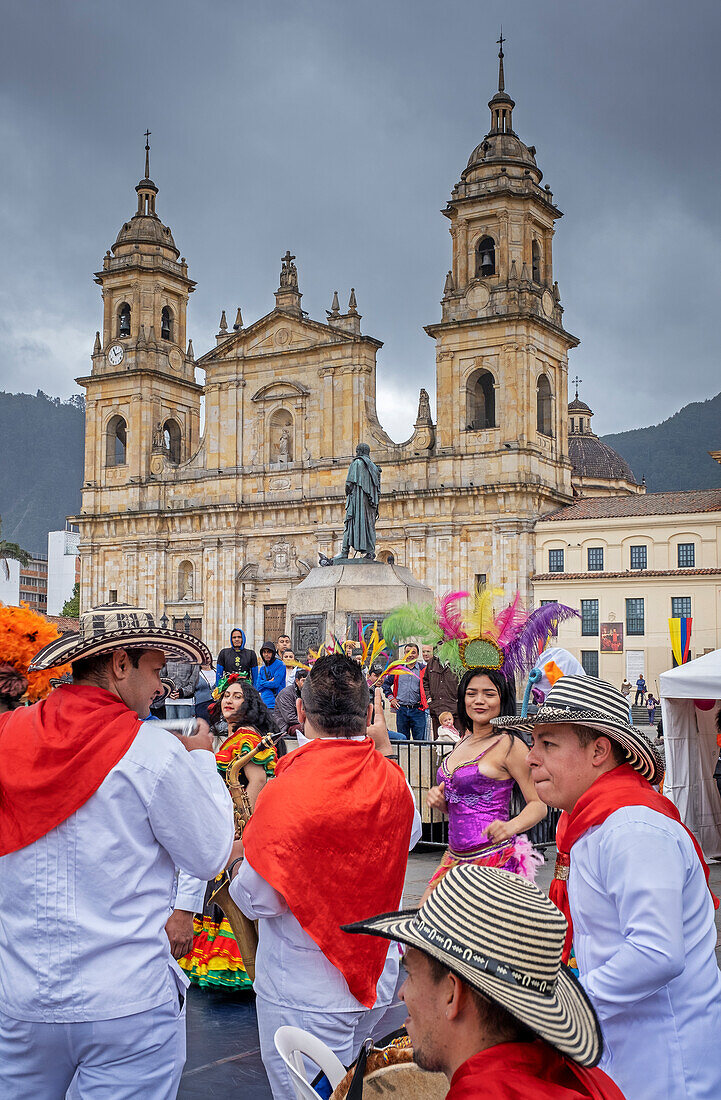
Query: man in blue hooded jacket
{"x": 236, "y": 658}
{"x": 269, "y": 676}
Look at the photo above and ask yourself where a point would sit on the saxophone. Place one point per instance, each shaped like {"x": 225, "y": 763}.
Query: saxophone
{"x": 244, "y": 929}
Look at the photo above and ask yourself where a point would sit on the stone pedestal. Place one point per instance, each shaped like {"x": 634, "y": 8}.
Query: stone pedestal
{"x": 332, "y": 598}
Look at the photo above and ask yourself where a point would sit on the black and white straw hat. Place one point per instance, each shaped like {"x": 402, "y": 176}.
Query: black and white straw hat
{"x": 597, "y": 705}
{"x": 501, "y": 934}
{"x": 116, "y": 626}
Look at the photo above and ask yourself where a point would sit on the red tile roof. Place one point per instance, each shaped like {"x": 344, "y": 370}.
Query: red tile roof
{"x": 64, "y": 624}
{"x": 648, "y": 504}
{"x": 630, "y": 574}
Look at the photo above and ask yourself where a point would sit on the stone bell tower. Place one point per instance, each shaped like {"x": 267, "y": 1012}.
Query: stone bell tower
{"x": 501, "y": 348}
{"x": 143, "y": 404}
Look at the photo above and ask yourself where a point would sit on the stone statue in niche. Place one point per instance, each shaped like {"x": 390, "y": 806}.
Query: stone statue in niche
{"x": 158, "y": 438}
{"x": 281, "y": 439}
{"x": 284, "y": 447}
{"x": 187, "y": 595}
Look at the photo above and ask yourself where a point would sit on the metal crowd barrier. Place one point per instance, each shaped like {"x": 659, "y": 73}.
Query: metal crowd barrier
{"x": 419, "y": 761}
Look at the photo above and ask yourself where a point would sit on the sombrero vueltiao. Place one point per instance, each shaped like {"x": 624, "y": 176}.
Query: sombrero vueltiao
{"x": 597, "y": 705}
{"x": 501, "y": 935}
{"x": 116, "y": 626}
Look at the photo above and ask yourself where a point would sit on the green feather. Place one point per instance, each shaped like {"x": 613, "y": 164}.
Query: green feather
{"x": 413, "y": 620}
{"x": 449, "y": 655}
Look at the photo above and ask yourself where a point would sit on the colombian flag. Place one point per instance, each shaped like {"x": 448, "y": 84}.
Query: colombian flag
{"x": 680, "y": 631}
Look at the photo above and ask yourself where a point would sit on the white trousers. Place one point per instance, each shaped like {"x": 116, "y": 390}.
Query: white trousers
{"x": 343, "y": 1032}
{"x": 139, "y": 1057}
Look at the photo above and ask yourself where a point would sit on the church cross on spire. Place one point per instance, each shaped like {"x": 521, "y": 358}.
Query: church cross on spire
{"x": 501, "y": 77}
{"x": 577, "y": 381}
{"x": 147, "y": 154}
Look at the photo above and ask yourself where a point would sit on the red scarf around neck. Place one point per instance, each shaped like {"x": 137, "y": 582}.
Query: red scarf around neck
{"x": 534, "y": 1070}
{"x": 621, "y": 787}
{"x": 54, "y": 755}
{"x": 331, "y": 834}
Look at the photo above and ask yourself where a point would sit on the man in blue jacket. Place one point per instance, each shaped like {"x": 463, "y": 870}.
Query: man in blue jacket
{"x": 269, "y": 676}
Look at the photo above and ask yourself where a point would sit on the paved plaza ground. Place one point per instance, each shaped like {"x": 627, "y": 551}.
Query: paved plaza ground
{"x": 223, "y": 1054}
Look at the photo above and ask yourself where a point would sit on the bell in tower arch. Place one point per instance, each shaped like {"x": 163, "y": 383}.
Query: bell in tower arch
{"x": 486, "y": 257}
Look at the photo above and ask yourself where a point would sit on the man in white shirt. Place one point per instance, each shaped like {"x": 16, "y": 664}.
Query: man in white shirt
{"x": 633, "y": 884}
{"x": 330, "y": 833}
{"x": 98, "y": 808}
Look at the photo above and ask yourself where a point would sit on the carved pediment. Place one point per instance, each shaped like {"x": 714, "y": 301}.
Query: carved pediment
{"x": 281, "y": 337}
{"x": 281, "y": 390}
{"x": 276, "y": 333}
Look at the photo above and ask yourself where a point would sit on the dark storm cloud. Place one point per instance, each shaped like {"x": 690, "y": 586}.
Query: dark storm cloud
{"x": 337, "y": 130}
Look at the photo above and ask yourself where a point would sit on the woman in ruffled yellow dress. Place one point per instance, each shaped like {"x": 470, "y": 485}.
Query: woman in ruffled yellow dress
{"x": 215, "y": 959}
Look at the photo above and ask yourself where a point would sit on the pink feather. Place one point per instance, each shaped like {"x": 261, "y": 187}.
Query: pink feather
{"x": 450, "y": 618}
{"x": 510, "y": 621}
{"x": 529, "y": 860}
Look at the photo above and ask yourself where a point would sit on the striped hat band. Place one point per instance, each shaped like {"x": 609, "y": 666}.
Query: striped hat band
{"x": 501, "y": 935}
{"x": 116, "y": 626}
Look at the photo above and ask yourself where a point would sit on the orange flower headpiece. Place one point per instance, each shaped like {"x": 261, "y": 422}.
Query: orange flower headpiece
{"x": 23, "y": 633}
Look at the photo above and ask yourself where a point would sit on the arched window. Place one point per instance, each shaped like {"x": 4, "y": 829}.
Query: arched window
{"x": 116, "y": 442}
{"x": 172, "y": 440}
{"x": 573, "y": 425}
{"x": 536, "y": 261}
{"x": 124, "y": 319}
{"x": 480, "y": 402}
{"x": 281, "y": 438}
{"x": 166, "y": 324}
{"x": 485, "y": 257}
{"x": 186, "y": 581}
{"x": 544, "y": 418}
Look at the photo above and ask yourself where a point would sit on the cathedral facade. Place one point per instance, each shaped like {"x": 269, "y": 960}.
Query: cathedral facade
{"x": 217, "y": 525}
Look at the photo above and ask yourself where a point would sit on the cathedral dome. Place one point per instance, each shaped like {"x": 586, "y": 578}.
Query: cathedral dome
{"x": 146, "y": 229}
{"x": 502, "y": 147}
{"x": 579, "y": 406}
{"x": 592, "y": 458}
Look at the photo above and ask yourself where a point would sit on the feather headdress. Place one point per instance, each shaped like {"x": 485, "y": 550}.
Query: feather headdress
{"x": 479, "y": 639}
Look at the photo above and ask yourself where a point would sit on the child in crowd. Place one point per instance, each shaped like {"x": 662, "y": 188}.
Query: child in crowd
{"x": 446, "y": 730}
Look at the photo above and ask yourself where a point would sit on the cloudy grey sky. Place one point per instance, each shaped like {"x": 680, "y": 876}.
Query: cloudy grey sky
{"x": 337, "y": 129}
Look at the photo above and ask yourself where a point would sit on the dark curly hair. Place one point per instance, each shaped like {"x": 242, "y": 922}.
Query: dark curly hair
{"x": 253, "y": 711}
{"x": 505, "y": 688}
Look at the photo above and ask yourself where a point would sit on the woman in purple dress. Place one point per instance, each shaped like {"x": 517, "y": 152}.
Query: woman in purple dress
{"x": 475, "y": 782}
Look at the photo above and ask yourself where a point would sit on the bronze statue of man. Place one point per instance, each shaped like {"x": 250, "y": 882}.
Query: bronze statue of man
{"x": 362, "y": 496}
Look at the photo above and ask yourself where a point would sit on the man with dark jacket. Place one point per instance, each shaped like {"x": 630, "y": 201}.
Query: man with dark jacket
{"x": 286, "y": 713}
{"x": 181, "y": 700}
{"x": 269, "y": 676}
{"x": 441, "y": 686}
{"x": 236, "y": 658}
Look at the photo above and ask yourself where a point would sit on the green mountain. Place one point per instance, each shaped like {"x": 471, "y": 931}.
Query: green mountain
{"x": 674, "y": 454}
{"x": 41, "y": 465}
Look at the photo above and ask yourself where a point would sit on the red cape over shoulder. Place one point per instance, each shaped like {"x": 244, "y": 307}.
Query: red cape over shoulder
{"x": 528, "y": 1071}
{"x": 330, "y": 833}
{"x": 54, "y": 755}
{"x": 620, "y": 787}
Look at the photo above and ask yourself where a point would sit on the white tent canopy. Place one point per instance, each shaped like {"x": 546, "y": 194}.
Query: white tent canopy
{"x": 691, "y": 747}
